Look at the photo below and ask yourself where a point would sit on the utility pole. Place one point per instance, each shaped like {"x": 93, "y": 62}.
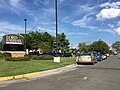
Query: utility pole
{"x": 25, "y": 20}
{"x": 56, "y": 15}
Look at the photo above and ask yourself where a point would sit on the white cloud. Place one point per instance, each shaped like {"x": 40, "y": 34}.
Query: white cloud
{"x": 78, "y": 11}
{"x": 87, "y": 8}
{"x": 81, "y": 22}
{"x": 77, "y": 33}
{"x": 14, "y": 3}
{"x": 43, "y": 2}
{"x": 65, "y": 19}
{"x": 48, "y": 11}
{"x": 84, "y": 9}
{"x": 108, "y": 14}
{"x": 50, "y": 30}
{"x": 84, "y": 22}
{"x": 13, "y": 6}
{"x": 7, "y": 28}
{"x": 112, "y": 31}
{"x": 110, "y": 10}
{"x": 111, "y": 5}
{"x": 118, "y": 31}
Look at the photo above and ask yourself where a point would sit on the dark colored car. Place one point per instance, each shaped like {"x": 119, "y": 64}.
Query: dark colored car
{"x": 66, "y": 54}
{"x": 50, "y": 54}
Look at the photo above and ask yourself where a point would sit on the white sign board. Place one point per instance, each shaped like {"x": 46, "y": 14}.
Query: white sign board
{"x": 57, "y": 59}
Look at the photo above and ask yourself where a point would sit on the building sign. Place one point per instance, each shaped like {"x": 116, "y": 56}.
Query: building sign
{"x": 13, "y": 42}
{"x": 13, "y": 39}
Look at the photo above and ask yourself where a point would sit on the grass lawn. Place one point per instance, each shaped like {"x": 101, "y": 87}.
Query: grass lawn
{"x": 10, "y": 68}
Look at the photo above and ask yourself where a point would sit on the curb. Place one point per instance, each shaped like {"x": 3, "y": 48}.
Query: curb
{"x": 19, "y": 76}
{"x": 30, "y": 75}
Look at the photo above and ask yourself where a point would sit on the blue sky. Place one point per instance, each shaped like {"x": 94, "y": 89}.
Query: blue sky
{"x": 81, "y": 20}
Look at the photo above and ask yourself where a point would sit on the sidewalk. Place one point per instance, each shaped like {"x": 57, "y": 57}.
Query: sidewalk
{"x": 38, "y": 74}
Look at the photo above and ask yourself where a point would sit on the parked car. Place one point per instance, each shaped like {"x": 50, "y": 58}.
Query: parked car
{"x": 98, "y": 57}
{"x": 66, "y": 54}
{"x": 104, "y": 56}
{"x": 115, "y": 53}
{"x": 34, "y": 53}
{"x": 49, "y": 54}
{"x": 107, "y": 54}
{"x": 86, "y": 58}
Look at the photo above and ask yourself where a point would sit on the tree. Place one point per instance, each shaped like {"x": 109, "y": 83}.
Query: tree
{"x": 99, "y": 46}
{"x": 63, "y": 43}
{"x": 46, "y": 42}
{"x": 116, "y": 45}
{"x": 33, "y": 39}
{"x": 83, "y": 47}
{"x": 39, "y": 40}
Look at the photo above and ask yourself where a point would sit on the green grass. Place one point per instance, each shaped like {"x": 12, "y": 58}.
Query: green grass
{"x": 10, "y": 68}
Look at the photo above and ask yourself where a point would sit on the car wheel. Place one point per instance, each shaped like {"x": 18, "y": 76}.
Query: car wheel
{"x": 78, "y": 63}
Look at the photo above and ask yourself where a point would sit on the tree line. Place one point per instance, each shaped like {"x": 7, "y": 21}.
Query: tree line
{"x": 97, "y": 46}
{"x": 47, "y": 43}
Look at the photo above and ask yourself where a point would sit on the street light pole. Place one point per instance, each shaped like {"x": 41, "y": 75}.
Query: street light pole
{"x": 56, "y": 26}
{"x": 25, "y": 20}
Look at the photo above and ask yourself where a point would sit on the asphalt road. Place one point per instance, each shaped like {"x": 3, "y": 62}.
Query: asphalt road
{"x": 104, "y": 75}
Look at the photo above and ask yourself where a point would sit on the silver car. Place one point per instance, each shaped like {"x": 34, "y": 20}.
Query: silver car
{"x": 86, "y": 58}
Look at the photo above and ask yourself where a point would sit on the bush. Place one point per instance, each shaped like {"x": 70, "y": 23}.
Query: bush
{"x": 35, "y": 57}
{"x": 17, "y": 59}
{"x": 1, "y": 55}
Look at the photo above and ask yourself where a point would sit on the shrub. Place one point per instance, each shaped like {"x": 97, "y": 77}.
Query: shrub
{"x": 1, "y": 55}
{"x": 17, "y": 59}
{"x": 35, "y": 57}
